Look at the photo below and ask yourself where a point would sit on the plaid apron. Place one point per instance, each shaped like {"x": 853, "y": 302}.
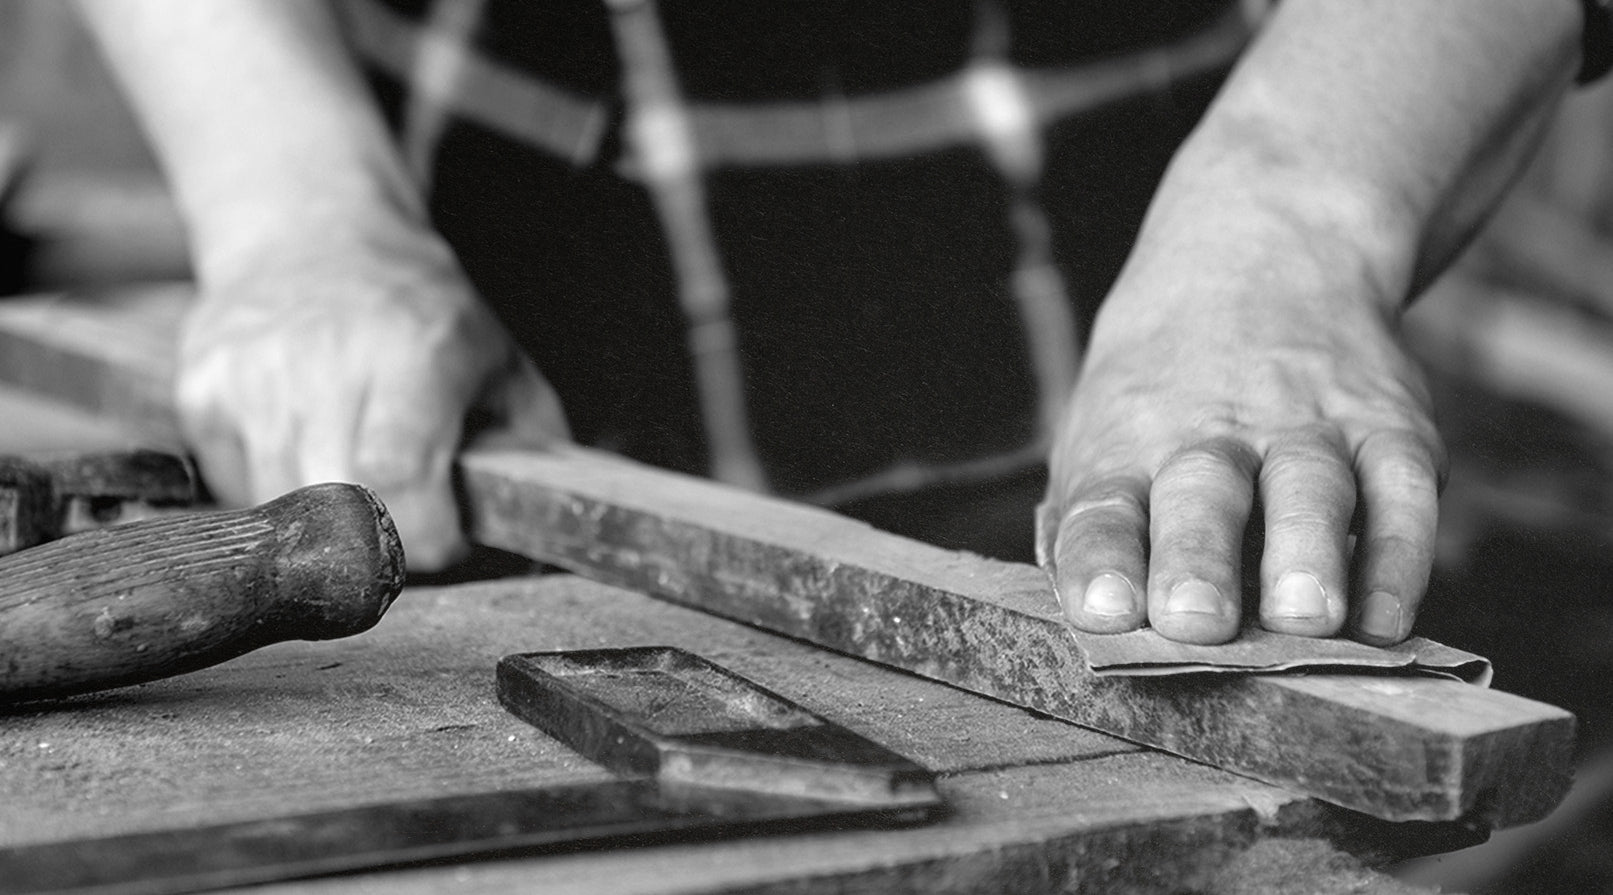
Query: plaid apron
{"x": 844, "y": 251}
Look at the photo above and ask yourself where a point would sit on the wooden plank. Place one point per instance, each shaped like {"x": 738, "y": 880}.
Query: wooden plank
{"x": 408, "y": 710}
{"x": 1395, "y": 748}
{"x": 1399, "y": 749}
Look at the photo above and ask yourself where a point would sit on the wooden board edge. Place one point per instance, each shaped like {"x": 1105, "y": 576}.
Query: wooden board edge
{"x": 1340, "y": 750}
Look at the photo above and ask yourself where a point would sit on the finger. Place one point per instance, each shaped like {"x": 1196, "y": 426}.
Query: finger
{"x": 403, "y": 448}
{"x": 1198, "y": 510}
{"x": 1100, "y": 555}
{"x": 427, "y": 518}
{"x": 209, "y": 433}
{"x": 263, "y": 407}
{"x": 202, "y": 389}
{"x": 408, "y": 421}
{"x": 215, "y": 432}
{"x": 270, "y": 440}
{"x": 1308, "y": 490}
{"x": 1399, "y": 476}
{"x": 328, "y": 434}
{"x": 220, "y": 456}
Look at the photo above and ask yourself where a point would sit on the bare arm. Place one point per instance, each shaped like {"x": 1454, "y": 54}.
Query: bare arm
{"x": 336, "y": 337}
{"x": 257, "y": 114}
{"x": 1245, "y": 365}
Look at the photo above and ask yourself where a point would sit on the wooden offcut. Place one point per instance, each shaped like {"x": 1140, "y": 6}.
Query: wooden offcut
{"x": 1398, "y": 748}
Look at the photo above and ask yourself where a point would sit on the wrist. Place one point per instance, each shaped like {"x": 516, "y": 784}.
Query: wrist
{"x": 1238, "y": 217}
{"x": 243, "y": 215}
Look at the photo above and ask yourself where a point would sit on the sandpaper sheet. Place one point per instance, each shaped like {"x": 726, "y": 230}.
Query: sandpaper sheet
{"x": 1146, "y": 653}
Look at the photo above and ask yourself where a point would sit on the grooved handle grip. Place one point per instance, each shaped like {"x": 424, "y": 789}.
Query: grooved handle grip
{"x": 151, "y": 599}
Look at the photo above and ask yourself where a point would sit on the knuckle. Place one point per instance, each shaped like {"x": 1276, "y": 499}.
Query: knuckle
{"x": 1214, "y": 459}
{"x": 1110, "y": 504}
{"x": 1210, "y": 553}
{"x": 1397, "y": 544}
{"x": 1416, "y": 449}
{"x": 1329, "y": 521}
{"x": 1322, "y": 439}
{"x": 1312, "y": 469}
{"x": 1400, "y": 527}
{"x": 1410, "y": 469}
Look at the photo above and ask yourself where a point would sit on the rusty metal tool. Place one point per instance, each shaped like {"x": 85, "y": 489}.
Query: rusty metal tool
{"x": 696, "y": 726}
{"x": 703, "y": 752}
{"x": 44, "y": 498}
{"x": 159, "y": 597}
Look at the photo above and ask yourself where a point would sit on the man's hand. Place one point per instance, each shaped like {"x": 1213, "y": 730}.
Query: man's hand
{"x": 1195, "y": 422}
{"x": 1244, "y": 372}
{"x": 357, "y": 364}
{"x": 336, "y": 337}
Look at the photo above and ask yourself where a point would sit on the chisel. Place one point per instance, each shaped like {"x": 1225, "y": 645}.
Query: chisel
{"x": 154, "y": 598}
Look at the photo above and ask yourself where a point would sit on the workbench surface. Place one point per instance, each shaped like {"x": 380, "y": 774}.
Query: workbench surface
{"x": 408, "y": 710}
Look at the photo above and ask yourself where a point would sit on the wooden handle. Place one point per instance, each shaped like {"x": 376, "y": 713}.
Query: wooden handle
{"x": 161, "y": 597}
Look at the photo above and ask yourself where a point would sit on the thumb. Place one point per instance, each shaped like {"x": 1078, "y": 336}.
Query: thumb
{"x": 404, "y": 450}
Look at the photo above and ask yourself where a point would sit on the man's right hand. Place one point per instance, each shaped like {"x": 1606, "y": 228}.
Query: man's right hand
{"x": 359, "y": 363}
{"x": 336, "y": 337}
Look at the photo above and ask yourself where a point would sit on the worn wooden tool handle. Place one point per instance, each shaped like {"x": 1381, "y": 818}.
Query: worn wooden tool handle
{"x": 161, "y": 597}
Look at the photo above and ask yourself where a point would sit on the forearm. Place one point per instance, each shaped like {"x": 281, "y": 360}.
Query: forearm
{"x": 1243, "y": 370}
{"x": 259, "y": 117}
{"x": 1374, "y": 134}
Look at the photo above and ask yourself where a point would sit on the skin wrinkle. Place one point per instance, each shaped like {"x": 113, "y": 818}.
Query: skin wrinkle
{"x": 1108, "y": 499}
{"x": 1427, "y": 441}
{"x": 1302, "y": 520}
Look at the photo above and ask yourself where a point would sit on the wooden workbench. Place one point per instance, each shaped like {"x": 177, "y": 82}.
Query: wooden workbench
{"x": 407, "y": 710}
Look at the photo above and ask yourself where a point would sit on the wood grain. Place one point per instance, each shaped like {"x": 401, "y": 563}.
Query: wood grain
{"x": 409, "y": 710}
{"x": 1395, "y": 748}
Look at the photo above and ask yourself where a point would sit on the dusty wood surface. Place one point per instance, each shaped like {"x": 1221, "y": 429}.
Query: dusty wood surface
{"x": 1401, "y": 749}
{"x": 408, "y": 710}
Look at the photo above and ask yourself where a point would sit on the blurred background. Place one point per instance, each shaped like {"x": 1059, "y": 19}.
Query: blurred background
{"x": 1518, "y": 340}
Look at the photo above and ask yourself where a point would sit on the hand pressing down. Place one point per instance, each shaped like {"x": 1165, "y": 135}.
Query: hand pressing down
{"x": 1198, "y": 423}
{"x": 357, "y": 365}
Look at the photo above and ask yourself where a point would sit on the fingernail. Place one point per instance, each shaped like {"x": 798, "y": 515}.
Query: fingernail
{"x": 1109, "y": 595}
{"x": 1299, "y": 595}
{"x": 1380, "y": 615}
{"x": 1194, "y": 596}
